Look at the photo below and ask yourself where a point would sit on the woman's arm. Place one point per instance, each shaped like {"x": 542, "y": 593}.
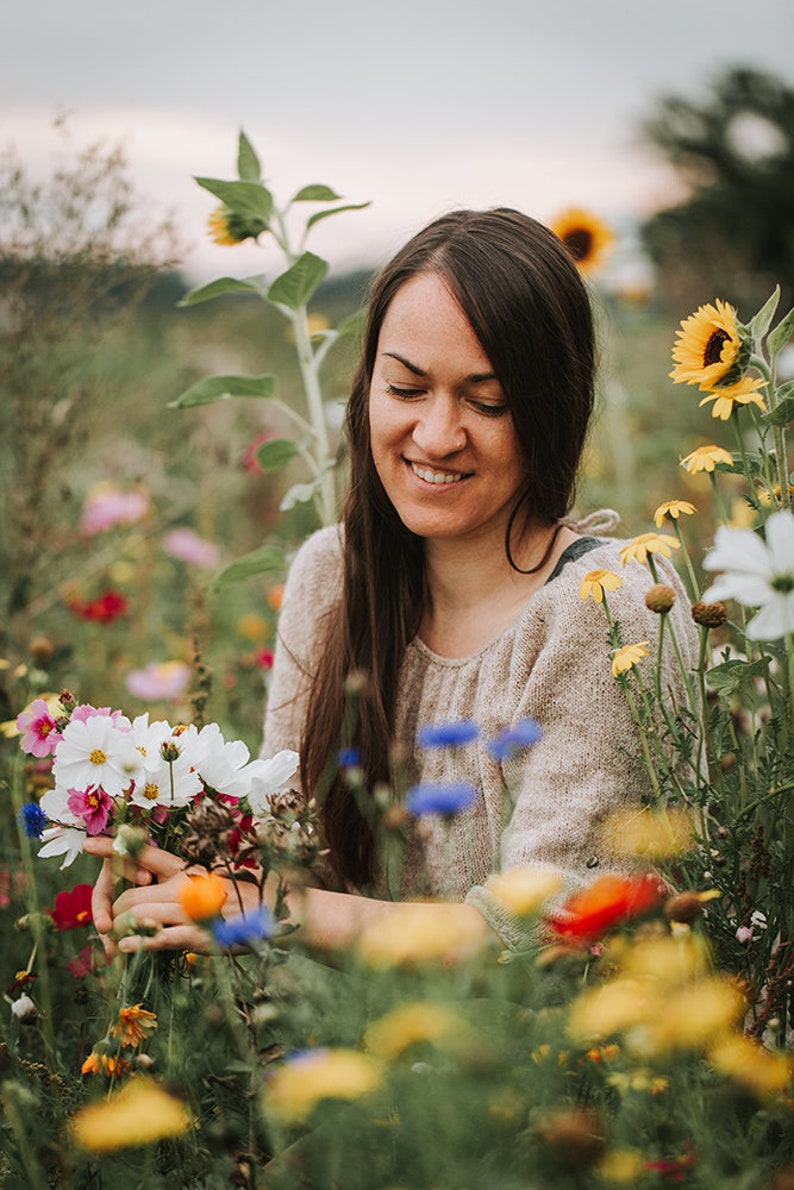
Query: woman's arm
{"x": 328, "y": 921}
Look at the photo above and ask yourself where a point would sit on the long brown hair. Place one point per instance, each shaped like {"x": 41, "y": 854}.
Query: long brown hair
{"x": 527, "y": 305}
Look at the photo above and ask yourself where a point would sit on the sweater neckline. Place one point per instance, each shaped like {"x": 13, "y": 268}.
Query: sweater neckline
{"x": 576, "y": 550}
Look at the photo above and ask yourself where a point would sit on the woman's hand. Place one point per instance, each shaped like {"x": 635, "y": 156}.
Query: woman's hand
{"x": 154, "y": 902}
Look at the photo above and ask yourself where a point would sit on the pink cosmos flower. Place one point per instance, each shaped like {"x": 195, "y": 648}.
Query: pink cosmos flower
{"x": 107, "y": 506}
{"x": 189, "y": 547}
{"x": 92, "y": 805}
{"x": 166, "y": 679}
{"x": 39, "y": 734}
{"x": 85, "y": 711}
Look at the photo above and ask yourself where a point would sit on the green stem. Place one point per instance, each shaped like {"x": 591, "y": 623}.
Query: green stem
{"x": 718, "y": 497}
{"x": 314, "y": 398}
{"x": 695, "y": 586}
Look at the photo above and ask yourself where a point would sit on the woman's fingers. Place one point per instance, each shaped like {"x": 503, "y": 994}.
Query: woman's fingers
{"x": 140, "y": 900}
{"x": 179, "y": 937}
{"x": 151, "y": 860}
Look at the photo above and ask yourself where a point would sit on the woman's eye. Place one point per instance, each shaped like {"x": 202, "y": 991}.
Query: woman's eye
{"x": 489, "y": 410}
{"x": 396, "y": 391}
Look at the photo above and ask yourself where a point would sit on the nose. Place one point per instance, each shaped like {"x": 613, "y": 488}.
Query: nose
{"x": 439, "y": 430}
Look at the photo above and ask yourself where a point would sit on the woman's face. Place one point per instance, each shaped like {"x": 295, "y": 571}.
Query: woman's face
{"x": 442, "y": 437}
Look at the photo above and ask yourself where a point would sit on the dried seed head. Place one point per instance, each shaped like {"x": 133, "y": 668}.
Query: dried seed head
{"x": 660, "y": 599}
{"x": 709, "y": 615}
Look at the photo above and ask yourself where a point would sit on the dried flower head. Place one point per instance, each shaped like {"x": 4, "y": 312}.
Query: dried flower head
{"x": 709, "y": 615}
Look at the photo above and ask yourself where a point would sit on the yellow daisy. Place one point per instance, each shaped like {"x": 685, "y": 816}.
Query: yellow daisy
{"x": 630, "y": 655}
{"x": 648, "y": 543}
{"x": 707, "y": 346}
{"x": 585, "y": 236}
{"x": 140, "y": 1114}
{"x": 743, "y": 392}
{"x": 296, "y": 1087}
{"x": 597, "y": 582}
{"x": 409, "y": 1025}
{"x": 672, "y": 509}
{"x": 704, "y": 458}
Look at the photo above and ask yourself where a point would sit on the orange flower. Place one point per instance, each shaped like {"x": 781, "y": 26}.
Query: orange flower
{"x": 203, "y": 896}
{"x": 104, "y": 1064}
{"x": 134, "y": 1024}
{"x": 608, "y": 900}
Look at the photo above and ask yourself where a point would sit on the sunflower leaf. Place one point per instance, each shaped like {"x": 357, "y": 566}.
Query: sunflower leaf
{"x": 274, "y": 455}
{"x": 316, "y": 193}
{"x": 247, "y": 198}
{"x": 223, "y": 285}
{"x": 731, "y": 675}
{"x": 779, "y": 337}
{"x": 783, "y": 412}
{"x": 248, "y": 167}
{"x": 267, "y": 557}
{"x": 294, "y": 288}
{"x": 354, "y": 206}
{"x": 221, "y": 388}
{"x": 762, "y": 321}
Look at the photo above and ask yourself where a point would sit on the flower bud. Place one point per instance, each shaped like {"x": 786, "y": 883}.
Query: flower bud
{"x": 660, "y": 598}
{"x": 709, "y": 615}
{"x": 24, "y": 1010}
{"x": 169, "y": 751}
{"x": 67, "y": 701}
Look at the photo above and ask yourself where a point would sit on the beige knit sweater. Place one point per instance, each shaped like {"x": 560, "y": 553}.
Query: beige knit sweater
{"x": 552, "y": 663}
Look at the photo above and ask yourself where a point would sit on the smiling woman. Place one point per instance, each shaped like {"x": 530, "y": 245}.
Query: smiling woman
{"x": 451, "y": 594}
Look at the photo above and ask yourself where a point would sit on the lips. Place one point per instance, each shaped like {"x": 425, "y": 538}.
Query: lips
{"x": 429, "y": 475}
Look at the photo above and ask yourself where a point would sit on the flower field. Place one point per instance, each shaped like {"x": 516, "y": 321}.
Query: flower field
{"x": 163, "y": 454}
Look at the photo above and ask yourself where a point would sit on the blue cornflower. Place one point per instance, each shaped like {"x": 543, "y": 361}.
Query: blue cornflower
{"x": 244, "y": 929}
{"x": 513, "y": 739}
{"x": 447, "y": 735}
{"x": 32, "y": 819}
{"x": 348, "y": 758}
{"x": 436, "y": 798}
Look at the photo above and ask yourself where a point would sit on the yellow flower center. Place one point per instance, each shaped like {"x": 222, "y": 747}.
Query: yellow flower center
{"x": 150, "y": 792}
{"x": 97, "y": 756}
{"x": 712, "y": 353}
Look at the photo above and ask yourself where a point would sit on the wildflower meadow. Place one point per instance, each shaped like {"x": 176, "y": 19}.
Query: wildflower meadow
{"x": 645, "y": 1037}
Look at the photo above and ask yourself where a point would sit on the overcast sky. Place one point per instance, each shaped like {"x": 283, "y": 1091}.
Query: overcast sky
{"x": 419, "y": 105}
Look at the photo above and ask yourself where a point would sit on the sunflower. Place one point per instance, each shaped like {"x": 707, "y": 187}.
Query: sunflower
{"x": 743, "y": 392}
{"x": 228, "y": 227}
{"x": 585, "y": 236}
{"x": 709, "y": 350}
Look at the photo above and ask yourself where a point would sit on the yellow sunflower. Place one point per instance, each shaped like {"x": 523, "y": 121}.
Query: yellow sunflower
{"x": 228, "y": 228}
{"x": 704, "y": 458}
{"x": 585, "y": 236}
{"x": 628, "y": 656}
{"x": 672, "y": 509}
{"x": 743, "y": 392}
{"x": 707, "y": 346}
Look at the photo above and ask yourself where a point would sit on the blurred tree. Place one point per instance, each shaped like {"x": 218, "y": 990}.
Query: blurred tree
{"x": 734, "y": 233}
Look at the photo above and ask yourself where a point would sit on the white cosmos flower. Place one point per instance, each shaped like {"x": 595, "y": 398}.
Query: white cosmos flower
{"x": 756, "y": 574}
{"x": 95, "y": 751}
{"x": 62, "y": 840}
{"x": 269, "y": 777}
{"x": 164, "y": 784}
{"x": 224, "y": 766}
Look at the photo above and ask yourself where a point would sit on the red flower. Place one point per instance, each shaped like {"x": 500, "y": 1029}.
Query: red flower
{"x": 86, "y": 962}
{"x": 263, "y": 658}
{"x": 236, "y": 836}
{"x": 104, "y": 609}
{"x": 72, "y": 909}
{"x": 608, "y": 900}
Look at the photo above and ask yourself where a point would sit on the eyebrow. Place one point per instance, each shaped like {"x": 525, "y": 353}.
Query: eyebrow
{"x": 473, "y": 378}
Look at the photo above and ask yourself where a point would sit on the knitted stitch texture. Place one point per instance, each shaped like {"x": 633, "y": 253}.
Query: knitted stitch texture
{"x": 552, "y": 663}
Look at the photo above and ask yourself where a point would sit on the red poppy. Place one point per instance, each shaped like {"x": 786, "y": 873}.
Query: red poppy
{"x": 72, "y": 909}
{"x": 608, "y": 900}
{"x": 104, "y": 609}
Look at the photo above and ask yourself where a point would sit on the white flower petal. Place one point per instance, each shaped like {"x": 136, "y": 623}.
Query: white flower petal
{"x": 64, "y": 841}
{"x": 780, "y": 540}
{"x": 738, "y": 550}
{"x": 774, "y": 620}
{"x": 749, "y": 589}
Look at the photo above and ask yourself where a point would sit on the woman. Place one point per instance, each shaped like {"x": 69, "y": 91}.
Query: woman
{"x": 459, "y": 580}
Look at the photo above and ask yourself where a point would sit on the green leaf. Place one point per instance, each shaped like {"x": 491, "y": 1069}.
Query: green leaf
{"x": 730, "y": 675}
{"x": 299, "y": 493}
{"x": 266, "y": 558}
{"x": 779, "y": 337}
{"x": 761, "y": 322}
{"x": 783, "y": 412}
{"x": 248, "y": 167}
{"x": 251, "y": 199}
{"x": 316, "y": 193}
{"x": 740, "y": 466}
{"x": 354, "y": 206}
{"x": 274, "y": 455}
{"x": 295, "y": 287}
{"x": 220, "y": 388}
{"x": 223, "y": 285}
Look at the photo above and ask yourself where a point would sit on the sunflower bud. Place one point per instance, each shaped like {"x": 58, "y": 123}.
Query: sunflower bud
{"x": 230, "y": 227}
{"x": 709, "y": 615}
{"x": 660, "y": 599}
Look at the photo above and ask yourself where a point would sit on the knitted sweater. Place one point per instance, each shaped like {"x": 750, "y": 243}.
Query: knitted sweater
{"x": 552, "y": 664}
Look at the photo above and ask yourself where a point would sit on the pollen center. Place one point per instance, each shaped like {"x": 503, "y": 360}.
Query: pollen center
{"x": 150, "y": 792}
{"x": 783, "y": 583}
{"x": 97, "y": 756}
{"x": 579, "y": 243}
{"x": 45, "y": 729}
{"x": 712, "y": 353}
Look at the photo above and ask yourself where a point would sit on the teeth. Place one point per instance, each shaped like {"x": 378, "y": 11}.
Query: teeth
{"x": 436, "y": 476}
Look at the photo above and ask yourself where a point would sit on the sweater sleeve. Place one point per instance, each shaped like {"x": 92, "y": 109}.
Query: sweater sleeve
{"x": 310, "y": 593}
{"x": 588, "y": 763}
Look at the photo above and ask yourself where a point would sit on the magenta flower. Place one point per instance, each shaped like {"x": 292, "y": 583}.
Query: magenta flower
{"x": 106, "y": 507}
{"x": 92, "y": 805}
{"x": 39, "y": 734}
{"x": 166, "y": 679}
{"x": 189, "y": 547}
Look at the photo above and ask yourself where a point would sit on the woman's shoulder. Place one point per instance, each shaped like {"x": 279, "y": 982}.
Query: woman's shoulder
{"x": 314, "y": 579}
{"x": 319, "y": 552}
